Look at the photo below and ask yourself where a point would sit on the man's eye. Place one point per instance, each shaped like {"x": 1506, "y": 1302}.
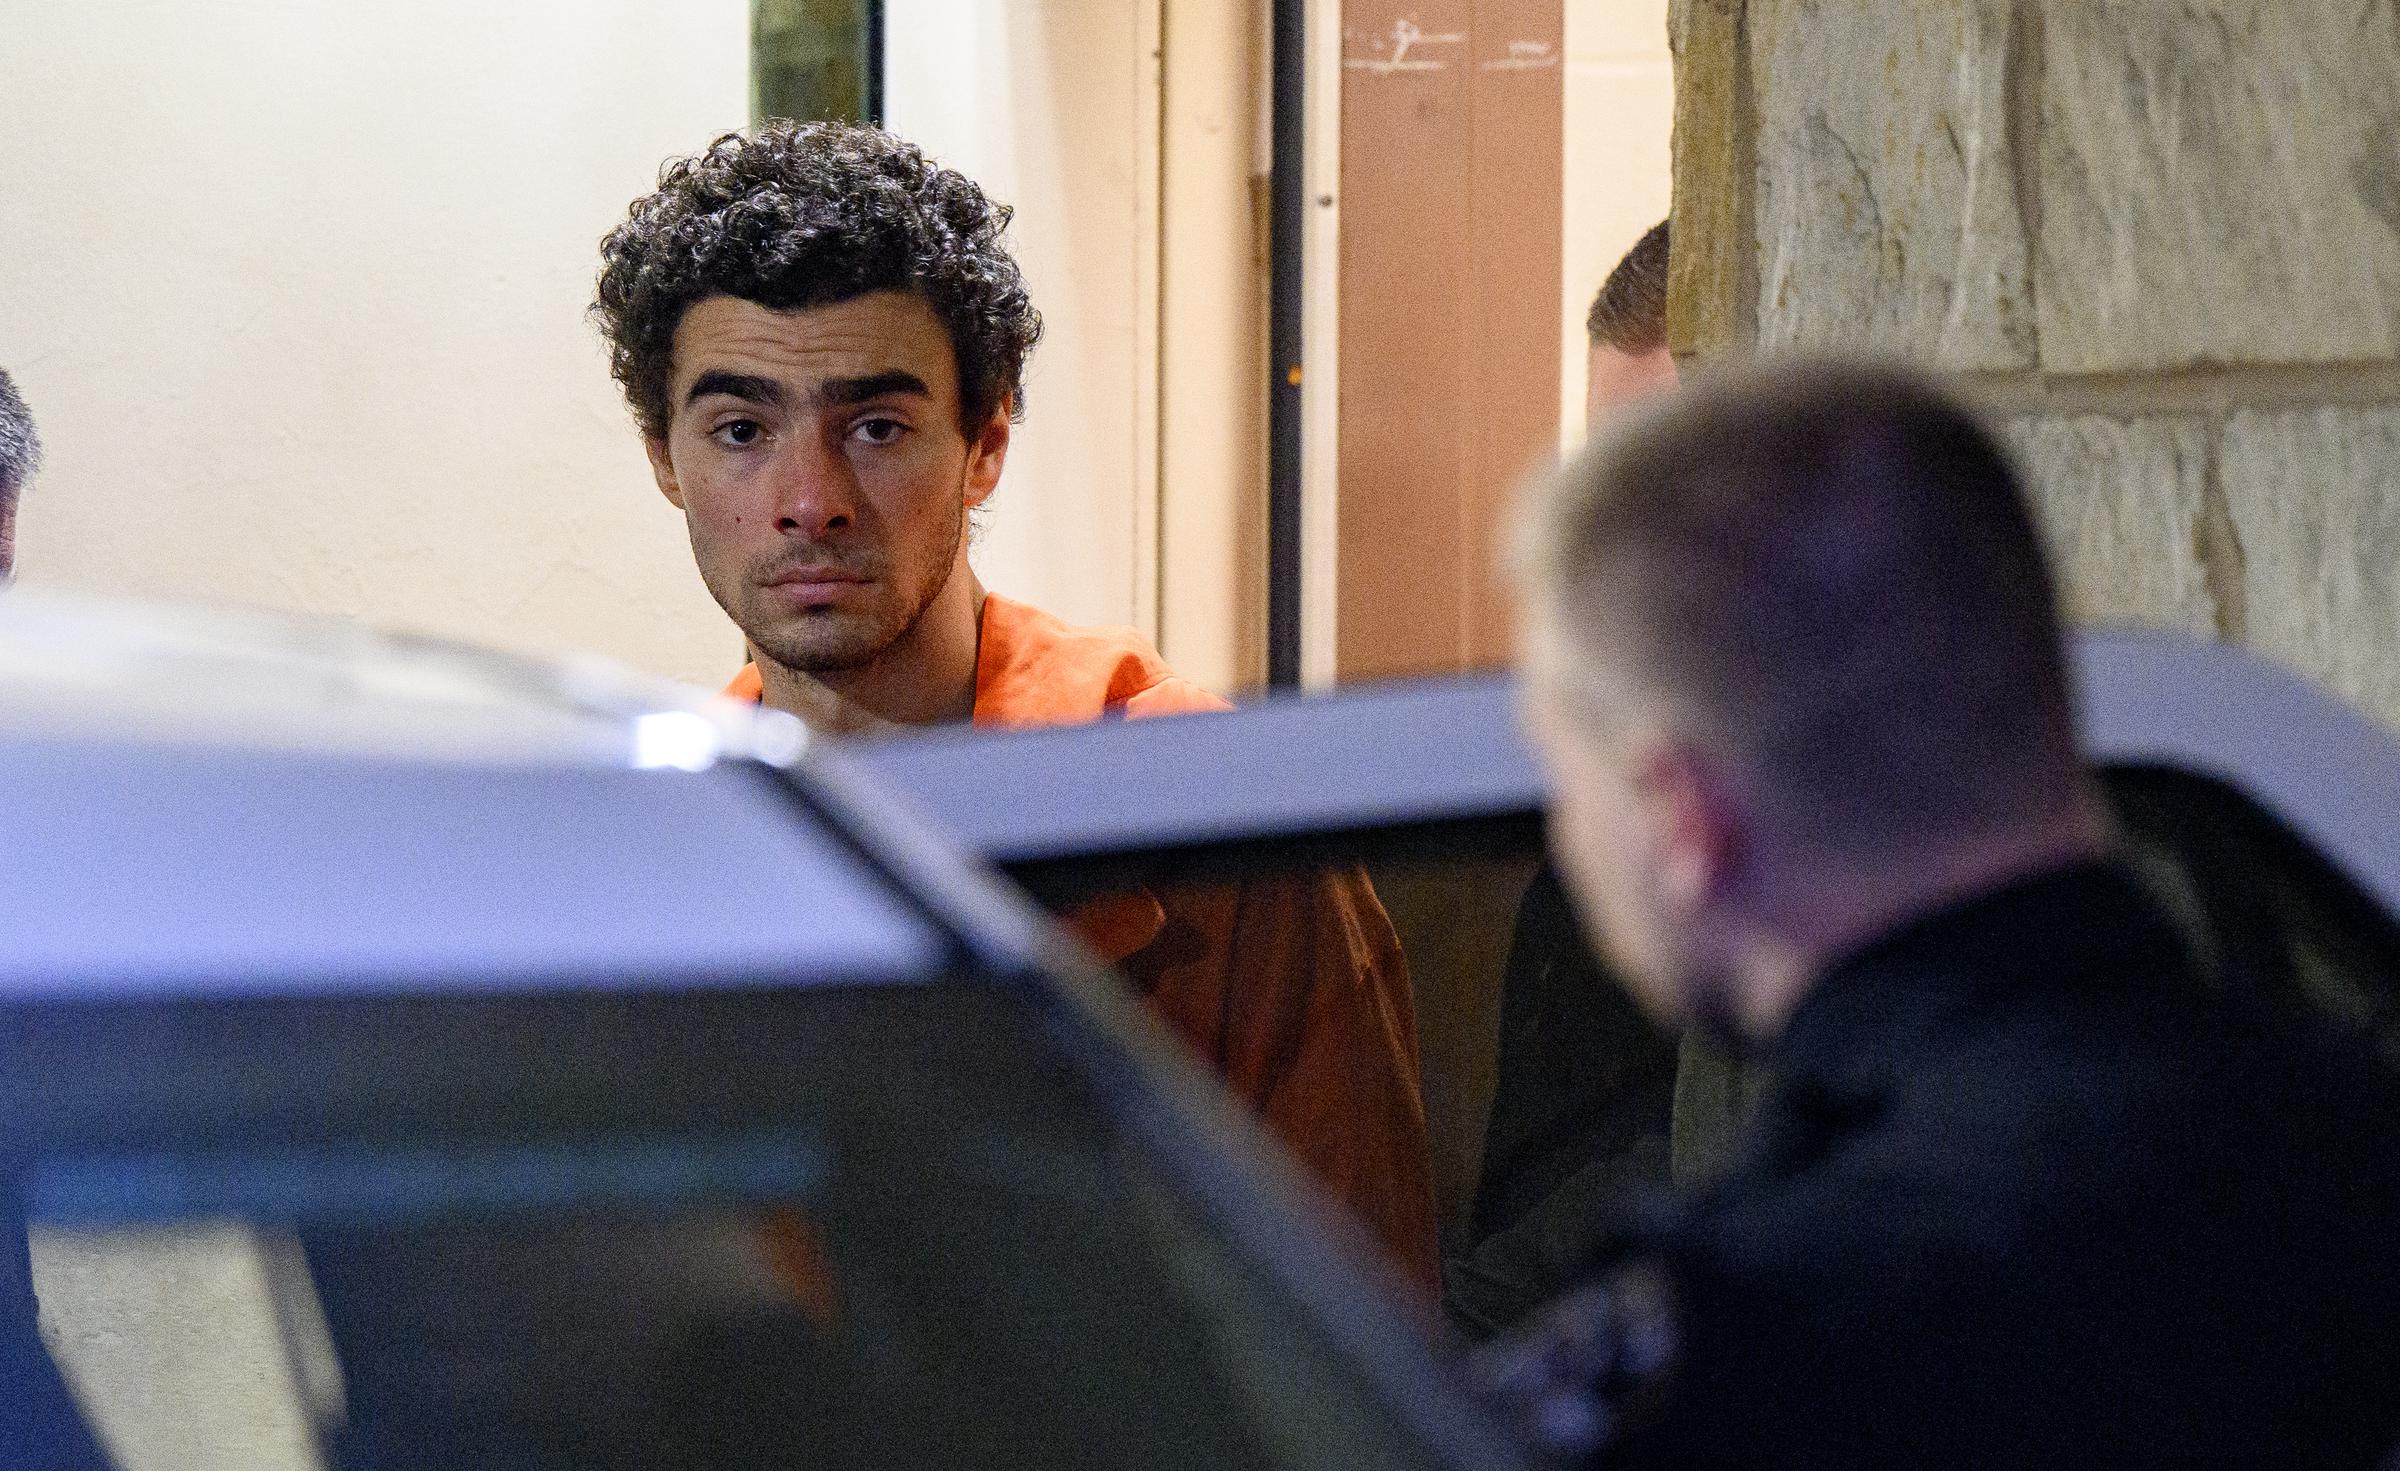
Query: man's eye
{"x": 878, "y": 431}
{"x": 737, "y": 433}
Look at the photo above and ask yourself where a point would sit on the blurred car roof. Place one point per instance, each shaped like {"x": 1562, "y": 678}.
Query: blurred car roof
{"x": 209, "y": 801}
{"x": 1404, "y": 758}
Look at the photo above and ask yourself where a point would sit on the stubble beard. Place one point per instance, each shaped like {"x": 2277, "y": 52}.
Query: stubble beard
{"x": 841, "y": 646}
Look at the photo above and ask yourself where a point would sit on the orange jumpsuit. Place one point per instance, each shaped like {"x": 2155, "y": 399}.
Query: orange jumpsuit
{"x": 1293, "y": 989}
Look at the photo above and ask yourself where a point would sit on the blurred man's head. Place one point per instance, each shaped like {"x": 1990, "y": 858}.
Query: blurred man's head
{"x": 1797, "y": 667}
{"x": 1627, "y": 329}
{"x": 20, "y": 453}
{"x": 823, "y": 340}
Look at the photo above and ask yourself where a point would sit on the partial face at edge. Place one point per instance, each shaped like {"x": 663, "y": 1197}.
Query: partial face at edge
{"x": 819, "y": 463}
{"x": 1620, "y": 379}
{"x": 1596, "y": 839}
{"x": 1642, "y": 839}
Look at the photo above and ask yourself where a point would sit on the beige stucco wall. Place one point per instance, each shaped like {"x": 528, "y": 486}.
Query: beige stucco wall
{"x": 1052, "y": 106}
{"x": 296, "y": 293}
{"x": 1129, "y": 138}
{"x": 1212, "y": 432}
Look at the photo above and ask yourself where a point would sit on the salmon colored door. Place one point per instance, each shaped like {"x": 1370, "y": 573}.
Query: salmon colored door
{"x": 1452, "y": 119}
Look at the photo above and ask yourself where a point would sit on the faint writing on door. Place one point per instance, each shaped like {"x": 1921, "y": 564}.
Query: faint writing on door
{"x": 1409, "y": 47}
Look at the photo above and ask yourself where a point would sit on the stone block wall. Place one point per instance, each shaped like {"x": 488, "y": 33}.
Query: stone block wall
{"x": 2159, "y": 239}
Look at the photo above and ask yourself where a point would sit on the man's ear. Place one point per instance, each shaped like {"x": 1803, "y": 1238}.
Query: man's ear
{"x": 986, "y": 453}
{"x": 662, "y": 470}
{"x": 1698, "y": 829}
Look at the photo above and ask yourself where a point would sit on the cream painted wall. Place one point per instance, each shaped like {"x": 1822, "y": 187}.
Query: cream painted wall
{"x": 1620, "y": 111}
{"x": 1053, "y": 107}
{"x": 1212, "y": 492}
{"x": 295, "y": 290}
{"x": 317, "y": 343}
{"x": 1321, "y": 350}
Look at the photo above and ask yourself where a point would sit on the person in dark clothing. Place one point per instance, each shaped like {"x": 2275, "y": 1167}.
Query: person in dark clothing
{"x": 1582, "y": 1093}
{"x": 1583, "y": 1084}
{"x": 2022, "y": 1189}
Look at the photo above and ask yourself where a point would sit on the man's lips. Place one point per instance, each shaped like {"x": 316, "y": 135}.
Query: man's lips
{"x": 810, "y": 577}
{"x": 815, "y": 587}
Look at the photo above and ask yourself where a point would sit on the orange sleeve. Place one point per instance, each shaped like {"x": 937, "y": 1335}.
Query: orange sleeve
{"x": 1295, "y": 991}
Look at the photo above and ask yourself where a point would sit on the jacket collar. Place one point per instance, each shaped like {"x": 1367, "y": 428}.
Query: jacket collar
{"x": 2088, "y": 925}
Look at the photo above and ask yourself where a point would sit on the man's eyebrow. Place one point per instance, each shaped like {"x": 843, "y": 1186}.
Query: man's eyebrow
{"x": 835, "y": 392}
{"x": 745, "y": 386}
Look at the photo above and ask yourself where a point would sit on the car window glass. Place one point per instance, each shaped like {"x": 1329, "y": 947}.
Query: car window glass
{"x": 1537, "y": 1074}
{"x": 2264, "y": 909}
{"x": 1549, "y": 1097}
{"x": 948, "y": 1254}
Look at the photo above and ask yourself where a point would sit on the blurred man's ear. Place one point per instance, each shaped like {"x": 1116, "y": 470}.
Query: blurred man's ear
{"x": 662, "y": 470}
{"x": 1695, "y": 824}
{"x": 986, "y": 453}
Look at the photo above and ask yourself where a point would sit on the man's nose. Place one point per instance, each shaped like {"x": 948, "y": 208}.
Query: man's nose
{"x": 816, "y": 492}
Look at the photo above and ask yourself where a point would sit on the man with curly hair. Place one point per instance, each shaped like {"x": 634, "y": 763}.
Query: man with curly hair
{"x": 20, "y": 454}
{"x": 822, "y": 338}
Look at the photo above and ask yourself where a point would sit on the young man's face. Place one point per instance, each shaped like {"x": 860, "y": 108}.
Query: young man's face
{"x": 819, "y": 464}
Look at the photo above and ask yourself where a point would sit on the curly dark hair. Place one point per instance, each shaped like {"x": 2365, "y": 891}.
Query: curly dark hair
{"x": 20, "y": 447}
{"x": 797, "y": 215}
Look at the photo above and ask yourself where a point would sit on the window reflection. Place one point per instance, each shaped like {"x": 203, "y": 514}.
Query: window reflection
{"x": 927, "y": 1243}
{"x": 816, "y": 60}
{"x": 1549, "y": 1098}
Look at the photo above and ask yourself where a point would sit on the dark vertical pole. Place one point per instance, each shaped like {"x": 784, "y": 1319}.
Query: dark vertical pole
{"x": 874, "y": 62}
{"x": 1287, "y": 221}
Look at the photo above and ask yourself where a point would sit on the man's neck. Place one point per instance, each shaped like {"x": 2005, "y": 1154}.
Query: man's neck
{"x": 926, "y": 676}
{"x": 1847, "y": 907}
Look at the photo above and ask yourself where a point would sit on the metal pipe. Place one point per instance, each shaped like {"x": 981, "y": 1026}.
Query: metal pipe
{"x": 1286, "y": 223}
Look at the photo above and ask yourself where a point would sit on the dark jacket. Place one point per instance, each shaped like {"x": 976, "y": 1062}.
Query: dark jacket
{"x": 1579, "y": 1120}
{"x": 2025, "y": 1193}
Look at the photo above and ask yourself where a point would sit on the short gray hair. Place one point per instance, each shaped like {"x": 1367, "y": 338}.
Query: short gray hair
{"x": 20, "y": 447}
{"x": 1830, "y": 572}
